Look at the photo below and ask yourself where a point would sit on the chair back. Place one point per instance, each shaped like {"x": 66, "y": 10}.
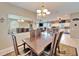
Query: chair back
{"x": 32, "y": 34}
{"x": 15, "y": 45}
{"x": 59, "y": 38}
{"x": 55, "y": 43}
{"x": 37, "y": 33}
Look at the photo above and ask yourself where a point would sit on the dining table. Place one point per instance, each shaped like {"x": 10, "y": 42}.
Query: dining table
{"x": 38, "y": 44}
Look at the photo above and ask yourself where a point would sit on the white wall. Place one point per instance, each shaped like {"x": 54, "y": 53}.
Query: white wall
{"x": 5, "y": 9}
{"x": 74, "y": 30}
{"x": 5, "y": 40}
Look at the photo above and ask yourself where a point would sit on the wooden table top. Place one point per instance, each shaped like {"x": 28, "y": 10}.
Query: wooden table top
{"x": 38, "y": 44}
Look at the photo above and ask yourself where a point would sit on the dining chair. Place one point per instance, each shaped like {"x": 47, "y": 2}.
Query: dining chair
{"x": 16, "y": 47}
{"x": 37, "y": 33}
{"x": 50, "y": 47}
{"x": 54, "y": 44}
{"x": 32, "y": 34}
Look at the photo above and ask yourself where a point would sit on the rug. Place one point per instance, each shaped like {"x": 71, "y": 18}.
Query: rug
{"x": 66, "y": 50}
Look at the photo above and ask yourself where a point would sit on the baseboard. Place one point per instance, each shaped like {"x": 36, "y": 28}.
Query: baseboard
{"x": 6, "y": 51}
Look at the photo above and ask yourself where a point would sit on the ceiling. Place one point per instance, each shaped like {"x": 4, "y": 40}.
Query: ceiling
{"x": 57, "y": 9}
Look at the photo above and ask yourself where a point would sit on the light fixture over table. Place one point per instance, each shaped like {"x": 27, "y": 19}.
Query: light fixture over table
{"x": 42, "y": 12}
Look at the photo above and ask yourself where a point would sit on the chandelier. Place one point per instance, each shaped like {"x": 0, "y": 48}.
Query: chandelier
{"x": 42, "y": 12}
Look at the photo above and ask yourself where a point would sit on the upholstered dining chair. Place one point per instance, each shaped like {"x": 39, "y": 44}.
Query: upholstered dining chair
{"x": 16, "y": 47}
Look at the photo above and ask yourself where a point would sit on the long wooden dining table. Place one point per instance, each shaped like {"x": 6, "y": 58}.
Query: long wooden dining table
{"x": 38, "y": 44}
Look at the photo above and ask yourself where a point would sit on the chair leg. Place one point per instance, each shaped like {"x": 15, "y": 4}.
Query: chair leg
{"x": 61, "y": 52}
{"x": 31, "y": 53}
{"x": 58, "y": 49}
{"x": 55, "y": 54}
{"x": 24, "y": 46}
